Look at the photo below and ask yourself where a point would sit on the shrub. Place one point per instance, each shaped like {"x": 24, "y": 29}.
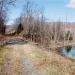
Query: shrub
{"x": 68, "y": 35}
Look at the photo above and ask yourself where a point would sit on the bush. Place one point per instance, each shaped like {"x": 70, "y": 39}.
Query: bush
{"x": 68, "y": 35}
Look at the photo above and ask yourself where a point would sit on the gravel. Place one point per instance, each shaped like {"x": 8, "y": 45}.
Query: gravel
{"x": 12, "y": 41}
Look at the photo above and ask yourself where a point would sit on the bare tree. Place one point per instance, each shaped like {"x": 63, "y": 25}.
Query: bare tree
{"x": 34, "y": 24}
{"x": 4, "y": 6}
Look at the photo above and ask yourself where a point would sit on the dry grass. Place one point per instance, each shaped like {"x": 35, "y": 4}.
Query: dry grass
{"x": 51, "y": 63}
{"x": 47, "y": 63}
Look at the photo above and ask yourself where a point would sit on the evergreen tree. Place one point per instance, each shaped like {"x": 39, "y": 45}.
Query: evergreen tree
{"x": 19, "y": 28}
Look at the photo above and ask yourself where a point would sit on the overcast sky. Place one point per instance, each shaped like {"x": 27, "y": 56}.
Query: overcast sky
{"x": 54, "y": 9}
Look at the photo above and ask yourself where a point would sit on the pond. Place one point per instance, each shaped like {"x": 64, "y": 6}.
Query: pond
{"x": 68, "y": 51}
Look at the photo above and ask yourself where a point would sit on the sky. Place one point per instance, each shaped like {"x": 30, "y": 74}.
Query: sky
{"x": 54, "y": 10}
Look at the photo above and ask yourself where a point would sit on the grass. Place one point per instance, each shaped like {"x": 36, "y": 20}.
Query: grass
{"x": 3, "y": 52}
{"x": 1, "y": 47}
{"x": 48, "y": 63}
{"x": 52, "y": 63}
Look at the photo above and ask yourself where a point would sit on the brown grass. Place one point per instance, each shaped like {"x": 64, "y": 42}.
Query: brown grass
{"x": 47, "y": 63}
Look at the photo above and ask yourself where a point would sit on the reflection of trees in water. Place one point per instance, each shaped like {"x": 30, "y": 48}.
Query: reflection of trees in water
{"x": 68, "y": 48}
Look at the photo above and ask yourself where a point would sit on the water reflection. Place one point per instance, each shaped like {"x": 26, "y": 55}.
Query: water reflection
{"x": 68, "y": 51}
{"x": 68, "y": 48}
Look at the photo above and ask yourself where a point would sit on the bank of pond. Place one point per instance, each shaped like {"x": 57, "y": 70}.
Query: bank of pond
{"x": 68, "y": 51}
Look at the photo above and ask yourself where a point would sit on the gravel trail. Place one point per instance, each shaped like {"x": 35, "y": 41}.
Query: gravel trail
{"x": 16, "y": 62}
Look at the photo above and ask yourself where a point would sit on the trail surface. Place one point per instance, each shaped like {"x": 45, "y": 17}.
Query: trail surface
{"x": 17, "y": 62}
{"x": 28, "y": 59}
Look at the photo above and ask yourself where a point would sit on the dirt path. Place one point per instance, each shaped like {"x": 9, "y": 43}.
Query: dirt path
{"x": 27, "y": 66}
{"x": 31, "y": 60}
{"x": 17, "y": 62}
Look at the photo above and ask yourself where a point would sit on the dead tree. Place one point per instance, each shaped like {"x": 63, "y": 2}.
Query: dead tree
{"x": 4, "y": 6}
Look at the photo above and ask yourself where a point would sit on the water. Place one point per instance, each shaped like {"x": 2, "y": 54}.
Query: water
{"x": 68, "y": 51}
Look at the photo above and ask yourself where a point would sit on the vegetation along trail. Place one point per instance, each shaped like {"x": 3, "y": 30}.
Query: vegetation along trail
{"x": 28, "y": 59}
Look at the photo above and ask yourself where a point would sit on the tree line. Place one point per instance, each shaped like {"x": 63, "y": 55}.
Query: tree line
{"x": 32, "y": 23}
